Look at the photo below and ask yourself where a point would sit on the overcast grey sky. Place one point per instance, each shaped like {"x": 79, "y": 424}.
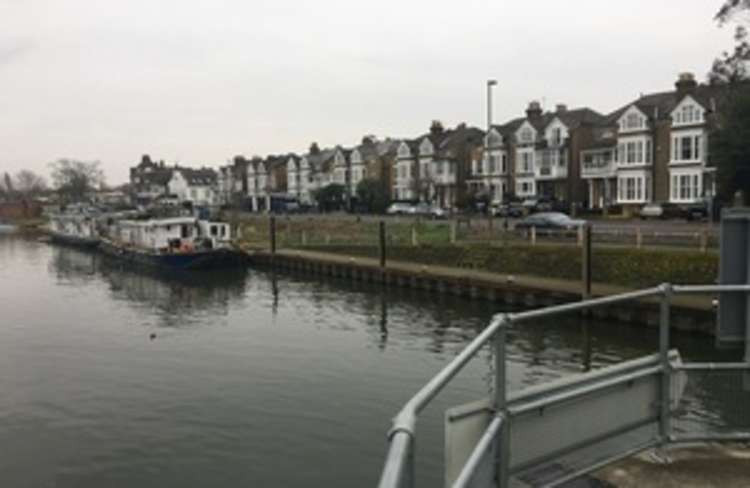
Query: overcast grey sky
{"x": 200, "y": 81}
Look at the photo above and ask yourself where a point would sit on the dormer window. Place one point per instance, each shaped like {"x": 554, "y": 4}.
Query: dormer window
{"x": 556, "y": 136}
{"x": 688, "y": 114}
{"x": 526, "y": 135}
{"x": 493, "y": 139}
{"x": 632, "y": 121}
{"x": 425, "y": 149}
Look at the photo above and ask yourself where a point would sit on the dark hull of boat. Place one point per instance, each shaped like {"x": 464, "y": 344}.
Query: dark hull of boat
{"x": 211, "y": 259}
{"x": 68, "y": 240}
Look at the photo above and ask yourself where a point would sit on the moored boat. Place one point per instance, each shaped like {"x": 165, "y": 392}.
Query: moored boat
{"x": 175, "y": 243}
{"x": 74, "y": 228}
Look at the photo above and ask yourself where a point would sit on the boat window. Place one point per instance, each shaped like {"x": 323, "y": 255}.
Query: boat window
{"x": 214, "y": 231}
{"x": 184, "y": 232}
{"x": 223, "y": 230}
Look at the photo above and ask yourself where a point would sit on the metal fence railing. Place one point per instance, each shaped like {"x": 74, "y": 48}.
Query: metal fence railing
{"x": 670, "y": 422}
{"x": 299, "y": 231}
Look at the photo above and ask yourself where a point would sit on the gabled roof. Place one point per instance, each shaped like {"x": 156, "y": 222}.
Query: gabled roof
{"x": 158, "y": 176}
{"x": 660, "y": 105}
{"x": 580, "y": 116}
{"x": 456, "y": 138}
{"x": 202, "y": 176}
{"x": 322, "y": 160}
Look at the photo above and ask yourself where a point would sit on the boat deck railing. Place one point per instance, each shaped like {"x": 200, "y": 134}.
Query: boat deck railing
{"x": 495, "y": 442}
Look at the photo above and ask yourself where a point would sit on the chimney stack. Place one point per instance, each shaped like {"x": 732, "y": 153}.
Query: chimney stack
{"x": 685, "y": 83}
{"x": 561, "y": 108}
{"x": 534, "y": 111}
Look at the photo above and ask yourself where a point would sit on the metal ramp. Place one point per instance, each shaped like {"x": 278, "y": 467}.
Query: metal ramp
{"x": 553, "y": 433}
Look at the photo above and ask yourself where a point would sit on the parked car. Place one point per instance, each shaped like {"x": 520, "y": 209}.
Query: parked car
{"x": 661, "y": 210}
{"x": 399, "y": 208}
{"x": 542, "y": 204}
{"x": 427, "y": 210}
{"x": 514, "y": 210}
{"x": 700, "y": 210}
{"x": 550, "y": 220}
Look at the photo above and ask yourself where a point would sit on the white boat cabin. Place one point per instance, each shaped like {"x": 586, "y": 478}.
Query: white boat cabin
{"x": 73, "y": 225}
{"x": 178, "y": 234}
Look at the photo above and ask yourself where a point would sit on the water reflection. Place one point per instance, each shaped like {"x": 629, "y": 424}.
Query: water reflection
{"x": 178, "y": 298}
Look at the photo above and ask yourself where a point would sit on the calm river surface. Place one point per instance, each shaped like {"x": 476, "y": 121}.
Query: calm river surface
{"x": 252, "y": 379}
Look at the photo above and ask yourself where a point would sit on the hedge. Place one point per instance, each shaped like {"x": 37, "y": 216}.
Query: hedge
{"x": 634, "y": 268}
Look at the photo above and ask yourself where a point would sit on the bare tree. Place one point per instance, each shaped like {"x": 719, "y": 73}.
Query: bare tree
{"x": 29, "y": 183}
{"x": 74, "y": 179}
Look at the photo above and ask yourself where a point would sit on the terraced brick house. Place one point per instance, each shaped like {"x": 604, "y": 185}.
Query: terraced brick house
{"x": 537, "y": 155}
{"x": 434, "y": 167}
{"x": 654, "y": 148}
{"x": 490, "y": 174}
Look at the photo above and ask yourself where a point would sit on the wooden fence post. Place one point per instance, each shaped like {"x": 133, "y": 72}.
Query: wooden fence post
{"x": 273, "y": 234}
{"x": 638, "y": 238}
{"x": 304, "y": 237}
{"x": 382, "y": 244}
{"x": 454, "y": 224}
{"x": 533, "y": 235}
{"x": 414, "y": 240}
{"x": 704, "y": 241}
{"x": 586, "y": 262}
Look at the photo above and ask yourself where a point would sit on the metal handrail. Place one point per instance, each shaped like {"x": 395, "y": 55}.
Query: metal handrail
{"x": 401, "y": 436}
{"x": 484, "y": 445}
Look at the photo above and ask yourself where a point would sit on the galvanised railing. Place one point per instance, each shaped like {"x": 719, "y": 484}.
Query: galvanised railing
{"x": 398, "y": 471}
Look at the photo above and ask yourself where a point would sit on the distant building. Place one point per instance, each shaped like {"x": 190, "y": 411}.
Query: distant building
{"x": 435, "y": 167}
{"x": 197, "y": 186}
{"x": 150, "y": 181}
{"x": 536, "y": 155}
{"x": 654, "y": 148}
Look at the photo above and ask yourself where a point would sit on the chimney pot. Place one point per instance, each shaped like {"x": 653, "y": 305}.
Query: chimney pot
{"x": 534, "y": 111}
{"x": 561, "y": 108}
{"x": 685, "y": 83}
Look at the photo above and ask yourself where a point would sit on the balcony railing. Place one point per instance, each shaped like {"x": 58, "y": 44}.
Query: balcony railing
{"x": 551, "y": 171}
{"x": 593, "y": 169}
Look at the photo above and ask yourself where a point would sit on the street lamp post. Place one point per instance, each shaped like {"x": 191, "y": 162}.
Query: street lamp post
{"x": 490, "y": 84}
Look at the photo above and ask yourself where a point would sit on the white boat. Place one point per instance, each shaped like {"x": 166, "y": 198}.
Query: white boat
{"x": 174, "y": 242}
{"x": 74, "y": 227}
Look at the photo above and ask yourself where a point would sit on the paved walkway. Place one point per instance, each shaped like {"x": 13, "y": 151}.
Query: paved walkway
{"x": 695, "y": 302}
{"x": 705, "y": 466}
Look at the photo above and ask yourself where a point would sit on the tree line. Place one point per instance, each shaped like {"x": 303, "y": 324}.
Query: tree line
{"x": 72, "y": 180}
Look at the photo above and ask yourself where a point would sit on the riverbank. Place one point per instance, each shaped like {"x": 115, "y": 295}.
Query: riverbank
{"x": 689, "y": 313}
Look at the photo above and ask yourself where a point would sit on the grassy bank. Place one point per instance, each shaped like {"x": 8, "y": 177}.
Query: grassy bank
{"x": 627, "y": 267}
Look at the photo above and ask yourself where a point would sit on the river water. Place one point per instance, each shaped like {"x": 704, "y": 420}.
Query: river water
{"x": 117, "y": 377}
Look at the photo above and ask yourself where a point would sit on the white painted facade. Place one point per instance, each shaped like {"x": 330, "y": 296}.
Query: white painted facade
{"x": 689, "y": 153}
{"x": 340, "y": 170}
{"x": 634, "y": 158}
{"x": 405, "y": 173}
{"x": 197, "y": 194}
{"x": 293, "y": 177}
{"x": 358, "y": 170}
{"x": 526, "y": 136}
{"x": 490, "y": 174}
